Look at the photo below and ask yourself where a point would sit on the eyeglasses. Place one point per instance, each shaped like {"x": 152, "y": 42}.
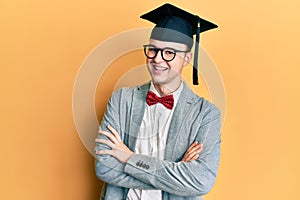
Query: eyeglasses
{"x": 167, "y": 53}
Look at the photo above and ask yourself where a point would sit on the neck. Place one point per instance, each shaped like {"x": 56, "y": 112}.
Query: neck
{"x": 164, "y": 90}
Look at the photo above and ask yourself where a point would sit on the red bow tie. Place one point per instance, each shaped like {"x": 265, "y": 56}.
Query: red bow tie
{"x": 167, "y": 101}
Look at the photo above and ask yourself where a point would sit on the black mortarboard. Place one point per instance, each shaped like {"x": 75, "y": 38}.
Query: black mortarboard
{"x": 176, "y": 25}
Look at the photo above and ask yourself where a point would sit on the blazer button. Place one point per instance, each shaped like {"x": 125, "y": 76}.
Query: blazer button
{"x": 139, "y": 164}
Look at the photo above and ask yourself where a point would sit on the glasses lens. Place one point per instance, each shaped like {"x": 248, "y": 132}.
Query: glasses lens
{"x": 150, "y": 51}
{"x": 168, "y": 54}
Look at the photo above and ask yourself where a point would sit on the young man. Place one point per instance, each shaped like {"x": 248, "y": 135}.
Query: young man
{"x": 160, "y": 140}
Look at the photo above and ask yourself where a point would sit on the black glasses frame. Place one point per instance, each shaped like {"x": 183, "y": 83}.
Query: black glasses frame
{"x": 161, "y": 51}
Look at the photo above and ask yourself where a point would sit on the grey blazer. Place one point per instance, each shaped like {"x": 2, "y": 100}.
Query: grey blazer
{"x": 194, "y": 119}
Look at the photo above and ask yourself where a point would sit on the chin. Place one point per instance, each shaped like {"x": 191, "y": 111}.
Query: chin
{"x": 157, "y": 81}
{"x": 160, "y": 82}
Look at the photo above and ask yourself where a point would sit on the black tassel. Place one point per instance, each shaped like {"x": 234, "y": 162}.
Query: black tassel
{"x": 195, "y": 66}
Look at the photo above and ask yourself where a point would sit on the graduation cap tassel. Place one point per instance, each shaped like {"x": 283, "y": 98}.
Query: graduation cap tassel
{"x": 195, "y": 66}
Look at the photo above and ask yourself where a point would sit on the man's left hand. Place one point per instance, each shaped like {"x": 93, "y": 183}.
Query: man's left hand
{"x": 118, "y": 149}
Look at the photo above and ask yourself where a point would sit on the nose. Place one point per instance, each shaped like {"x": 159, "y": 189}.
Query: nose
{"x": 158, "y": 58}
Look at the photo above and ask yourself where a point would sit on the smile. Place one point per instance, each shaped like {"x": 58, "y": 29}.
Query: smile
{"x": 159, "y": 68}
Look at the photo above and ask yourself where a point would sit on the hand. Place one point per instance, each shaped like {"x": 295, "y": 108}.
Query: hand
{"x": 118, "y": 149}
{"x": 192, "y": 153}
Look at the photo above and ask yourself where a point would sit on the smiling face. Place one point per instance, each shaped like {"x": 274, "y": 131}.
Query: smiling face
{"x": 168, "y": 74}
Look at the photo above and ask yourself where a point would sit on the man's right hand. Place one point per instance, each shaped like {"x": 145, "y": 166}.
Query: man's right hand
{"x": 192, "y": 153}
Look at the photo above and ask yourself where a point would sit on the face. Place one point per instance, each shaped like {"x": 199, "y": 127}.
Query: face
{"x": 168, "y": 73}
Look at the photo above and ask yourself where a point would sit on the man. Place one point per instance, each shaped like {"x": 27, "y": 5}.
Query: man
{"x": 160, "y": 140}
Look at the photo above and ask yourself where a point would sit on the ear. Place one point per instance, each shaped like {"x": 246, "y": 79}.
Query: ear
{"x": 187, "y": 58}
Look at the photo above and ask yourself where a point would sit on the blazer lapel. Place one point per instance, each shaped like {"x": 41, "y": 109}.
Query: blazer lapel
{"x": 137, "y": 113}
{"x": 182, "y": 108}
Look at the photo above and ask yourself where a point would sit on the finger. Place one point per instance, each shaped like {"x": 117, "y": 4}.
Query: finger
{"x": 107, "y": 142}
{"x": 201, "y": 147}
{"x": 190, "y": 150}
{"x": 191, "y": 155}
{"x": 184, "y": 159}
{"x": 105, "y": 151}
{"x": 194, "y": 157}
{"x": 192, "y": 146}
{"x": 109, "y": 135}
{"x": 196, "y": 148}
{"x": 116, "y": 134}
{"x": 195, "y": 151}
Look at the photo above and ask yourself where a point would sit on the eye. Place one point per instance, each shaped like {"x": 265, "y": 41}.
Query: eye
{"x": 152, "y": 49}
{"x": 169, "y": 52}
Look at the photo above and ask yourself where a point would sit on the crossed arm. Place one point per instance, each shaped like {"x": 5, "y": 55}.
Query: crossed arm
{"x": 190, "y": 177}
{"x": 122, "y": 153}
{"x": 193, "y": 176}
{"x": 110, "y": 165}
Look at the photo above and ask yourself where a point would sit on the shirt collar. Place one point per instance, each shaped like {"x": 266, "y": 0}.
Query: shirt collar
{"x": 175, "y": 93}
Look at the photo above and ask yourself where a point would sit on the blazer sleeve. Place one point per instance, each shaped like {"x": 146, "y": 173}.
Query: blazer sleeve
{"x": 109, "y": 169}
{"x": 194, "y": 178}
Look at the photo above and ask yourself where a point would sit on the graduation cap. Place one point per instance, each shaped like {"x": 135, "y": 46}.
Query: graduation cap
{"x": 176, "y": 25}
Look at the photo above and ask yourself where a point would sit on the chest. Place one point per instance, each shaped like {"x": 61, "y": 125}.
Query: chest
{"x": 169, "y": 133}
{"x": 154, "y": 129}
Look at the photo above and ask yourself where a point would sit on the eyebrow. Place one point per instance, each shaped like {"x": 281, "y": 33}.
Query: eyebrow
{"x": 187, "y": 48}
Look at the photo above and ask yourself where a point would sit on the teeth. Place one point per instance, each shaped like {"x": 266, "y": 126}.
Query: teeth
{"x": 160, "y": 68}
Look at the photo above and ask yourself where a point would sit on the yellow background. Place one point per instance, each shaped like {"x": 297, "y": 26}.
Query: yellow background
{"x": 43, "y": 44}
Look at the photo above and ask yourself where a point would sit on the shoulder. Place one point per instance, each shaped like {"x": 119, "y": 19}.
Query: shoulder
{"x": 127, "y": 93}
{"x": 206, "y": 105}
{"x": 208, "y": 112}
{"x": 199, "y": 103}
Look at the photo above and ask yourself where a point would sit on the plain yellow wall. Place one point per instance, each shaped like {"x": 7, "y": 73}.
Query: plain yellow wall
{"x": 43, "y": 44}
